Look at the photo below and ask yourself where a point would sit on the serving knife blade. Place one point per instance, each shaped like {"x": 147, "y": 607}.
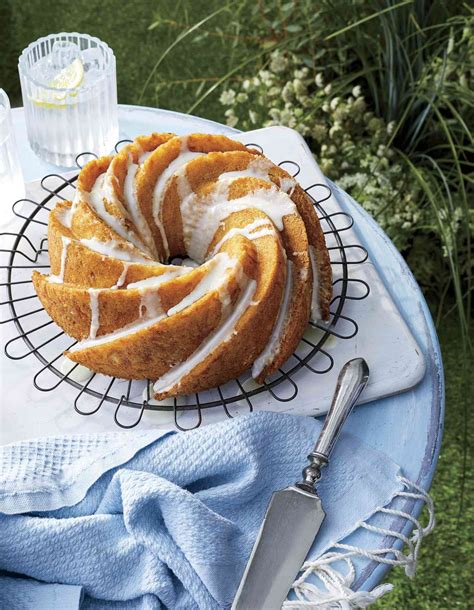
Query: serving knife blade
{"x": 295, "y": 514}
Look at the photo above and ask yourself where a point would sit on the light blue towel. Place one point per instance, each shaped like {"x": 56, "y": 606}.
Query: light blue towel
{"x": 136, "y": 521}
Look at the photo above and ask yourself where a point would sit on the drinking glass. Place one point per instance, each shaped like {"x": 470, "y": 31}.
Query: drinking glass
{"x": 12, "y": 186}
{"x": 69, "y": 90}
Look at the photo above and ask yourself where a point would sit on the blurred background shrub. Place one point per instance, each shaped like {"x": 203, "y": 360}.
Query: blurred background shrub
{"x": 383, "y": 92}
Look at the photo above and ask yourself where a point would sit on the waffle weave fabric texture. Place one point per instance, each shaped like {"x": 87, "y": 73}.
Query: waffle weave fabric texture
{"x": 145, "y": 520}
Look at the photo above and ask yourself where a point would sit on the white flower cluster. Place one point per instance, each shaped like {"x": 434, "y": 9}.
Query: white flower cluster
{"x": 350, "y": 143}
{"x": 311, "y": 93}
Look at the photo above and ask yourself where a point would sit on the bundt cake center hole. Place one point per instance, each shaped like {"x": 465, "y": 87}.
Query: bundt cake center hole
{"x": 184, "y": 261}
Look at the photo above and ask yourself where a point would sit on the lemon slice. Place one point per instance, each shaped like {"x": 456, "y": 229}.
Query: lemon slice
{"x": 70, "y": 77}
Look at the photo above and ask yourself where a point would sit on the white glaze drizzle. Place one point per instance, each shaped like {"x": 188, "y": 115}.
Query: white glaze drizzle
{"x": 96, "y": 200}
{"x": 147, "y": 395}
{"x": 220, "y": 336}
{"x": 183, "y": 157}
{"x": 182, "y": 182}
{"x": 150, "y": 304}
{"x": 260, "y": 167}
{"x": 288, "y": 185}
{"x": 213, "y": 280}
{"x": 94, "y": 305}
{"x": 315, "y": 307}
{"x": 144, "y": 156}
{"x": 59, "y": 279}
{"x": 114, "y": 249}
{"x": 125, "y": 331}
{"x": 130, "y": 196}
{"x": 67, "y": 218}
{"x": 108, "y": 189}
{"x": 200, "y": 222}
{"x": 64, "y": 216}
{"x": 73, "y": 370}
{"x": 152, "y": 311}
{"x": 123, "y": 276}
{"x": 78, "y": 196}
{"x": 247, "y": 231}
{"x": 257, "y": 168}
{"x": 157, "y": 280}
{"x": 273, "y": 346}
{"x": 215, "y": 277}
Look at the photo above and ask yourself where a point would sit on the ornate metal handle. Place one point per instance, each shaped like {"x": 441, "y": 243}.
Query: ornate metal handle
{"x": 350, "y": 383}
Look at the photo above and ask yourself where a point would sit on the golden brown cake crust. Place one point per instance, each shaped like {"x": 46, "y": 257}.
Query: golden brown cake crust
{"x": 138, "y": 317}
{"x": 149, "y": 353}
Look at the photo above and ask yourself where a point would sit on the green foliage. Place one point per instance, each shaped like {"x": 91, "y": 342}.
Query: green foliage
{"x": 195, "y": 45}
{"x": 349, "y": 141}
{"x": 443, "y": 580}
{"x": 423, "y": 81}
{"x": 7, "y": 65}
{"x": 385, "y": 107}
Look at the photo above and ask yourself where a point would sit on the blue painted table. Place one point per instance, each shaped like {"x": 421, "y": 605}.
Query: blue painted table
{"x": 407, "y": 427}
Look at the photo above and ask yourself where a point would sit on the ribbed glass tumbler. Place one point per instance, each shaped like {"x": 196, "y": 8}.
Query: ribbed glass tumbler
{"x": 69, "y": 89}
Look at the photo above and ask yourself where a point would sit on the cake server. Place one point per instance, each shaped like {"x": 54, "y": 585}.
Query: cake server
{"x": 295, "y": 514}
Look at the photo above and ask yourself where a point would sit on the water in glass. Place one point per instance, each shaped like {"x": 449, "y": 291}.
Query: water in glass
{"x": 69, "y": 92}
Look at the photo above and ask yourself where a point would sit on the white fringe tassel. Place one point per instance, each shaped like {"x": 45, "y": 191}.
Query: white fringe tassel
{"x": 337, "y": 593}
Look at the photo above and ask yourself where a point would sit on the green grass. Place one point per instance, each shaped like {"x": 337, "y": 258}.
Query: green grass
{"x": 182, "y": 77}
{"x": 409, "y": 58}
{"x": 446, "y": 564}
{"x": 125, "y": 26}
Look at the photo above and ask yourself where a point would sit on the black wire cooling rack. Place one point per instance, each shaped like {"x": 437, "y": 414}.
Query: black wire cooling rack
{"x": 46, "y": 341}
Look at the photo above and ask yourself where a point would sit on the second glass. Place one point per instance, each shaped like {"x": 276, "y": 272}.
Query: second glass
{"x": 12, "y": 186}
{"x": 69, "y": 89}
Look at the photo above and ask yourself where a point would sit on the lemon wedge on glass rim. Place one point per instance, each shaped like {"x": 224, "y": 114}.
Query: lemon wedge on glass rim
{"x": 70, "y": 77}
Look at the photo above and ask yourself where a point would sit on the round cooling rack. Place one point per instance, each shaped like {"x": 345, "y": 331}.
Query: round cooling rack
{"x": 47, "y": 342}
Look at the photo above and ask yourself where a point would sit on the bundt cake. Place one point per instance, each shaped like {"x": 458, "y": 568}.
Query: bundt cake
{"x": 255, "y": 266}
